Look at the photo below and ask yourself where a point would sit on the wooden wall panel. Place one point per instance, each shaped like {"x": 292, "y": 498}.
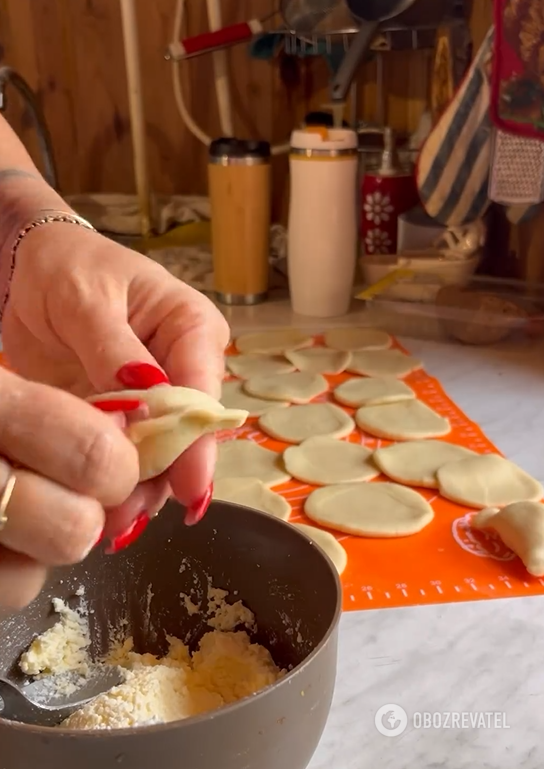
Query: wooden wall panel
{"x": 71, "y": 52}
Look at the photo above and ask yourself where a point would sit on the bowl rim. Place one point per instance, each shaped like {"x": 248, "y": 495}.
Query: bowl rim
{"x": 224, "y": 710}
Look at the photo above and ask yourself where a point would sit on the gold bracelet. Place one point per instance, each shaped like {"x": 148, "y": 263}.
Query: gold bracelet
{"x": 45, "y": 216}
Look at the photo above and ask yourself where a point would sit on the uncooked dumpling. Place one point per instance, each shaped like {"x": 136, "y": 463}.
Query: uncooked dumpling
{"x": 357, "y": 339}
{"x": 521, "y": 528}
{"x": 328, "y": 543}
{"x": 246, "y": 459}
{"x": 369, "y": 509}
{"x": 487, "y": 480}
{"x": 416, "y": 463}
{"x": 178, "y": 416}
{"x": 297, "y": 423}
{"x": 319, "y": 360}
{"x": 246, "y": 366}
{"x": 404, "y": 421}
{"x": 373, "y": 391}
{"x": 380, "y": 363}
{"x": 299, "y": 387}
{"x": 273, "y": 342}
{"x": 322, "y": 461}
{"x": 252, "y": 492}
{"x": 233, "y": 396}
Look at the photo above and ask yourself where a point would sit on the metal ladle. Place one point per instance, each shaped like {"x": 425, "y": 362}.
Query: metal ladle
{"x": 370, "y": 14}
{"x": 38, "y": 704}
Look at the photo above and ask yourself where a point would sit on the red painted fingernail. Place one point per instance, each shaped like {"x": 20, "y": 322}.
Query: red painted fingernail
{"x": 197, "y": 511}
{"x": 130, "y": 535}
{"x": 141, "y": 376}
{"x": 117, "y": 405}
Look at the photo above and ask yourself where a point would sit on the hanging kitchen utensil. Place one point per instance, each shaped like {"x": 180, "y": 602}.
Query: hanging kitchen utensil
{"x": 369, "y": 13}
{"x": 301, "y": 17}
{"x": 517, "y": 170}
{"x": 517, "y": 96}
{"x": 453, "y": 165}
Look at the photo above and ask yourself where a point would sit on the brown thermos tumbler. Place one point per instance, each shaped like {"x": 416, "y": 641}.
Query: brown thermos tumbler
{"x": 239, "y": 185}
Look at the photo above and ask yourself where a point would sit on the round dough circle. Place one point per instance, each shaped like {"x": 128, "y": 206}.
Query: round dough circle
{"x": 372, "y": 391}
{"x": 251, "y": 492}
{"x": 328, "y": 543}
{"x": 369, "y": 509}
{"x": 298, "y": 387}
{"x": 246, "y": 459}
{"x": 487, "y": 480}
{"x": 273, "y": 342}
{"x": 319, "y": 360}
{"x": 404, "y": 421}
{"x": 246, "y": 366}
{"x": 416, "y": 463}
{"x": 323, "y": 461}
{"x": 382, "y": 363}
{"x": 357, "y": 339}
{"x": 233, "y": 396}
{"x": 297, "y": 423}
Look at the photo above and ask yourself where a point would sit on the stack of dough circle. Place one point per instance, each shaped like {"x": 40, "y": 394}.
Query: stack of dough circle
{"x": 369, "y": 509}
{"x": 246, "y": 366}
{"x": 246, "y": 459}
{"x": 273, "y": 342}
{"x": 252, "y": 492}
{"x": 404, "y": 421}
{"x": 298, "y": 387}
{"x": 319, "y": 360}
{"x": 416, "y": 463}
{"x": 350, "y": 339}
{"x": 328, "y": 543}
{"x": 381, "y": 363}
{"x": 297, "y": 423}
{"x": 487, "y": 480}
{"x": 372, "y": 391}
{"x": 322, "y": 461}
{"x": 233, "y": 396}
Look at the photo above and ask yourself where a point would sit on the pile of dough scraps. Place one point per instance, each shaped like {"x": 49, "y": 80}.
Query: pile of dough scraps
{"x": 225, "y": 668}
{"x": 280, "y": 374}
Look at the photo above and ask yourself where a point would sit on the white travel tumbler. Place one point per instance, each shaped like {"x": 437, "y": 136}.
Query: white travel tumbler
{"x": 322, "y": 227}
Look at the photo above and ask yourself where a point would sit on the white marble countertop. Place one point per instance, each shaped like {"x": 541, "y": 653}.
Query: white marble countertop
{"x": 479, "y": 657}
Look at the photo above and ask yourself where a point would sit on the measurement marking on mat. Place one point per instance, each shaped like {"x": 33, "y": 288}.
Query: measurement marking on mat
{"x": 369, "y": 595}
{"x": 439, "y": 589}
{"x": 388, "y": 595}
{"x": 541, "y": 581}
{"x": 473, "y": 586}
{"x": 508, "y": 585}
{"x": 526, "y": 584}
{"x": 457, "y": 588}
{"x": 422, "y": 592}
{"x": 403, "y": 591}
{"x": 492, "y": 587}
{"x": 352, "y": 598}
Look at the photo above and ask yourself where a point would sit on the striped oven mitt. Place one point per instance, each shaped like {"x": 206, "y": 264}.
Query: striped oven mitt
{"x": 454, "y": 163}
{"x": 453, "y": 166}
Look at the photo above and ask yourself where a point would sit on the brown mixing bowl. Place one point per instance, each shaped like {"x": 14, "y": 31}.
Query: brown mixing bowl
{"x": 289, "y": 584}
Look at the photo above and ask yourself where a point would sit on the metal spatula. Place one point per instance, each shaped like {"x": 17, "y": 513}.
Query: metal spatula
{"x": 39, "y": 704}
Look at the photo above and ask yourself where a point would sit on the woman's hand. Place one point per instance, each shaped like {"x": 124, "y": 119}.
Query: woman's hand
{"x": 87, "y": 315}
{"x": 63, "y": 451}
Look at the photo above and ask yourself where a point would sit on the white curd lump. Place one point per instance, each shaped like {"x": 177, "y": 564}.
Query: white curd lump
{"x": 225, "y": 668}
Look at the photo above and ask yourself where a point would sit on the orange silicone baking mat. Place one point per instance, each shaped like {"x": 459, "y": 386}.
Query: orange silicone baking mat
{"x": 448, "y": 561}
